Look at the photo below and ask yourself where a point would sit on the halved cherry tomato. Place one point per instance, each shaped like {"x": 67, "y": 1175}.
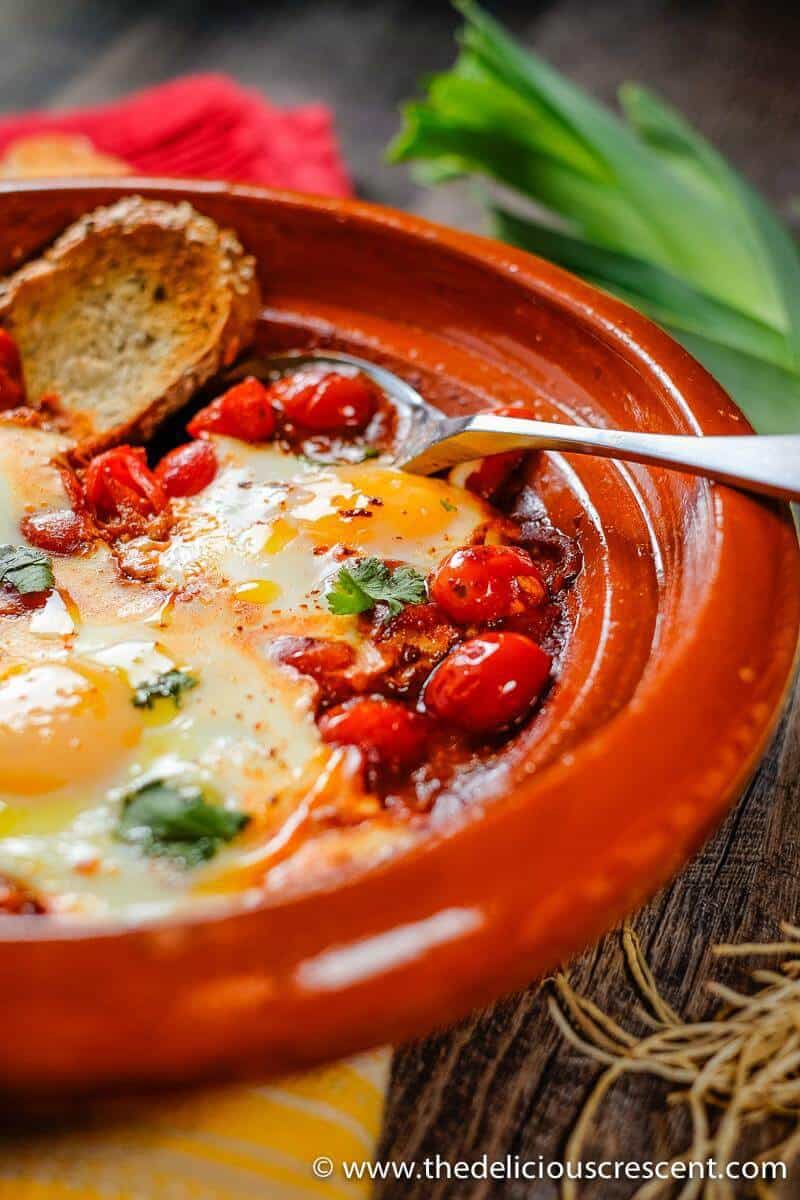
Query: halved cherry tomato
{"x": 488, "y": 683}
{"x": 244, "y": 412}
{"x": 61, "y": 531}
{"x": 326, "y": 401}
{"x": 388, "y": 734}
{"x": 120, "y": 480}
{"x": 485, "y": 583}
{"x": 187, "y": 469}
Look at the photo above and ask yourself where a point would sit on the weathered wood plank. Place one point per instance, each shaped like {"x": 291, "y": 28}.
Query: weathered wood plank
{"x": 505, "y": 1082}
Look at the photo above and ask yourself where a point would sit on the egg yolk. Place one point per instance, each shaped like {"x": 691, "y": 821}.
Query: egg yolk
{"x": 357, "y": 506}
{"x": 62, "y": 724}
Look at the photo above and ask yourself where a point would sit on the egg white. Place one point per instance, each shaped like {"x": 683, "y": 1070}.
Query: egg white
{"x": 249, "y": 560}
{"x": 272, "y": 526}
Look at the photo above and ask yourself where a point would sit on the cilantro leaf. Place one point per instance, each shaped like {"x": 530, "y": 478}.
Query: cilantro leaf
{"x": 346, "y": 596}
{"x": 446, "y": 505}
{"x": 167, "y": 685}
{"x": 359, "y": 586}
{"x": 166, "y": 821}
{"x": 26, "y": 569}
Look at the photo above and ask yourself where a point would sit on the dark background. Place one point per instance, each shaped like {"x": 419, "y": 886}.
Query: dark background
{"x": 503, "y": 1082}
{"x": 733, "y": 66}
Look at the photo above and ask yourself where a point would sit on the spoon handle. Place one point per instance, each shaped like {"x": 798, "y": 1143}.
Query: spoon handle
{"x": 768, "y": 464}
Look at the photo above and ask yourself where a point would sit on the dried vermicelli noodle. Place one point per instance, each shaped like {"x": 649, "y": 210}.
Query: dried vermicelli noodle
{"x": 738, "y": 1069}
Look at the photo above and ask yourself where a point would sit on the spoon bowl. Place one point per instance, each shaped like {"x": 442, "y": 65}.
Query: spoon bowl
{"x": 429, "y": 441}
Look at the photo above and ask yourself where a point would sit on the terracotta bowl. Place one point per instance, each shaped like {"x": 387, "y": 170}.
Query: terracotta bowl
{"x": 685, "y": 627}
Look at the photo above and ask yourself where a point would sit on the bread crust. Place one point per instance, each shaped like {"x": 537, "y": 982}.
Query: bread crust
{"x": 131, "y": 309}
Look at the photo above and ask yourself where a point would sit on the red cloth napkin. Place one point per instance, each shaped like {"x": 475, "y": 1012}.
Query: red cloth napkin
{"x": 206, "y": 127}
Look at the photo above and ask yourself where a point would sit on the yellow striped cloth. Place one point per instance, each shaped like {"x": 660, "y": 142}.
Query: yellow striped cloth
{"x": 237, "y": 1143}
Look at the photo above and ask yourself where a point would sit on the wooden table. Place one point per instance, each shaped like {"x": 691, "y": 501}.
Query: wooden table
{"x": 503, "y": 1082}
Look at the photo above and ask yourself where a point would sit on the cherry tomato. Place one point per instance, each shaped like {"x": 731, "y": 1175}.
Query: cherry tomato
{"x": 487, "y": 683}
{"x": 187, "y": 469}
{"x": 327, "y": 661}
{"x": 12, "y": 382}
{"x": 16, "y": 899}
{"x": 326, "y": 402}
{"x": 12, "y": 393}
{"x": 315, "y": 656}
{"x": 388, "y": 734}
{"x": 60, "y": 532}
{"x": 485, "y": 583}
{"x": 12, "y": 604}
{"x": 492, "y": 472}
{"x": 244, "y": 412}
{"x": 10, "y": 360}
{"x": 119, "y": 480}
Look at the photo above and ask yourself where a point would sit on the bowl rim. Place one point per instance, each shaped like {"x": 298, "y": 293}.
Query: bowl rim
{"x": 624, "y": 326}
{"x": 668, "y": 368}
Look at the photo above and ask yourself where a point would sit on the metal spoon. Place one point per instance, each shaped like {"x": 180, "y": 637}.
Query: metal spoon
{"x": 429, "y": 441}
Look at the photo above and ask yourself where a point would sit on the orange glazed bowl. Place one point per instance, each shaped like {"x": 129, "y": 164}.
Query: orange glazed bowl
{"x": 684, "y": 628}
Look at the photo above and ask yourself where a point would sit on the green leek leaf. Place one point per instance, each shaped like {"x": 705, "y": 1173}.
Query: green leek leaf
{"x": 596, "y": 208}
{"x": 768, "y": 395}
{"x": 694, "y": 248}
{"x": 668, "y": 298}
{"x": 645, "y": 208}
{"x": 770, "y": 243}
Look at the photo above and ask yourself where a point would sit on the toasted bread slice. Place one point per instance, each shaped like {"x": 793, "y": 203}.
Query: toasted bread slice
{"x": 132, "y": 309}
{"x": 57, "y": 155}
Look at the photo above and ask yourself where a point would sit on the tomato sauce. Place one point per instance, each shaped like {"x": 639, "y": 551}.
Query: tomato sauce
{"x": 454, "y": 675}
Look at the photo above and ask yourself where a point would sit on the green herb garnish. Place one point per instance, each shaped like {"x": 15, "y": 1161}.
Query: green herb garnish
{"x": 358, "y": 587}
{"x": 447, "y": 506}
{"x": 26, "y": 569}
{"x": 164, "y": 820}
{"x": 643, "y": 207}
{"x": 170, "y": 685}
